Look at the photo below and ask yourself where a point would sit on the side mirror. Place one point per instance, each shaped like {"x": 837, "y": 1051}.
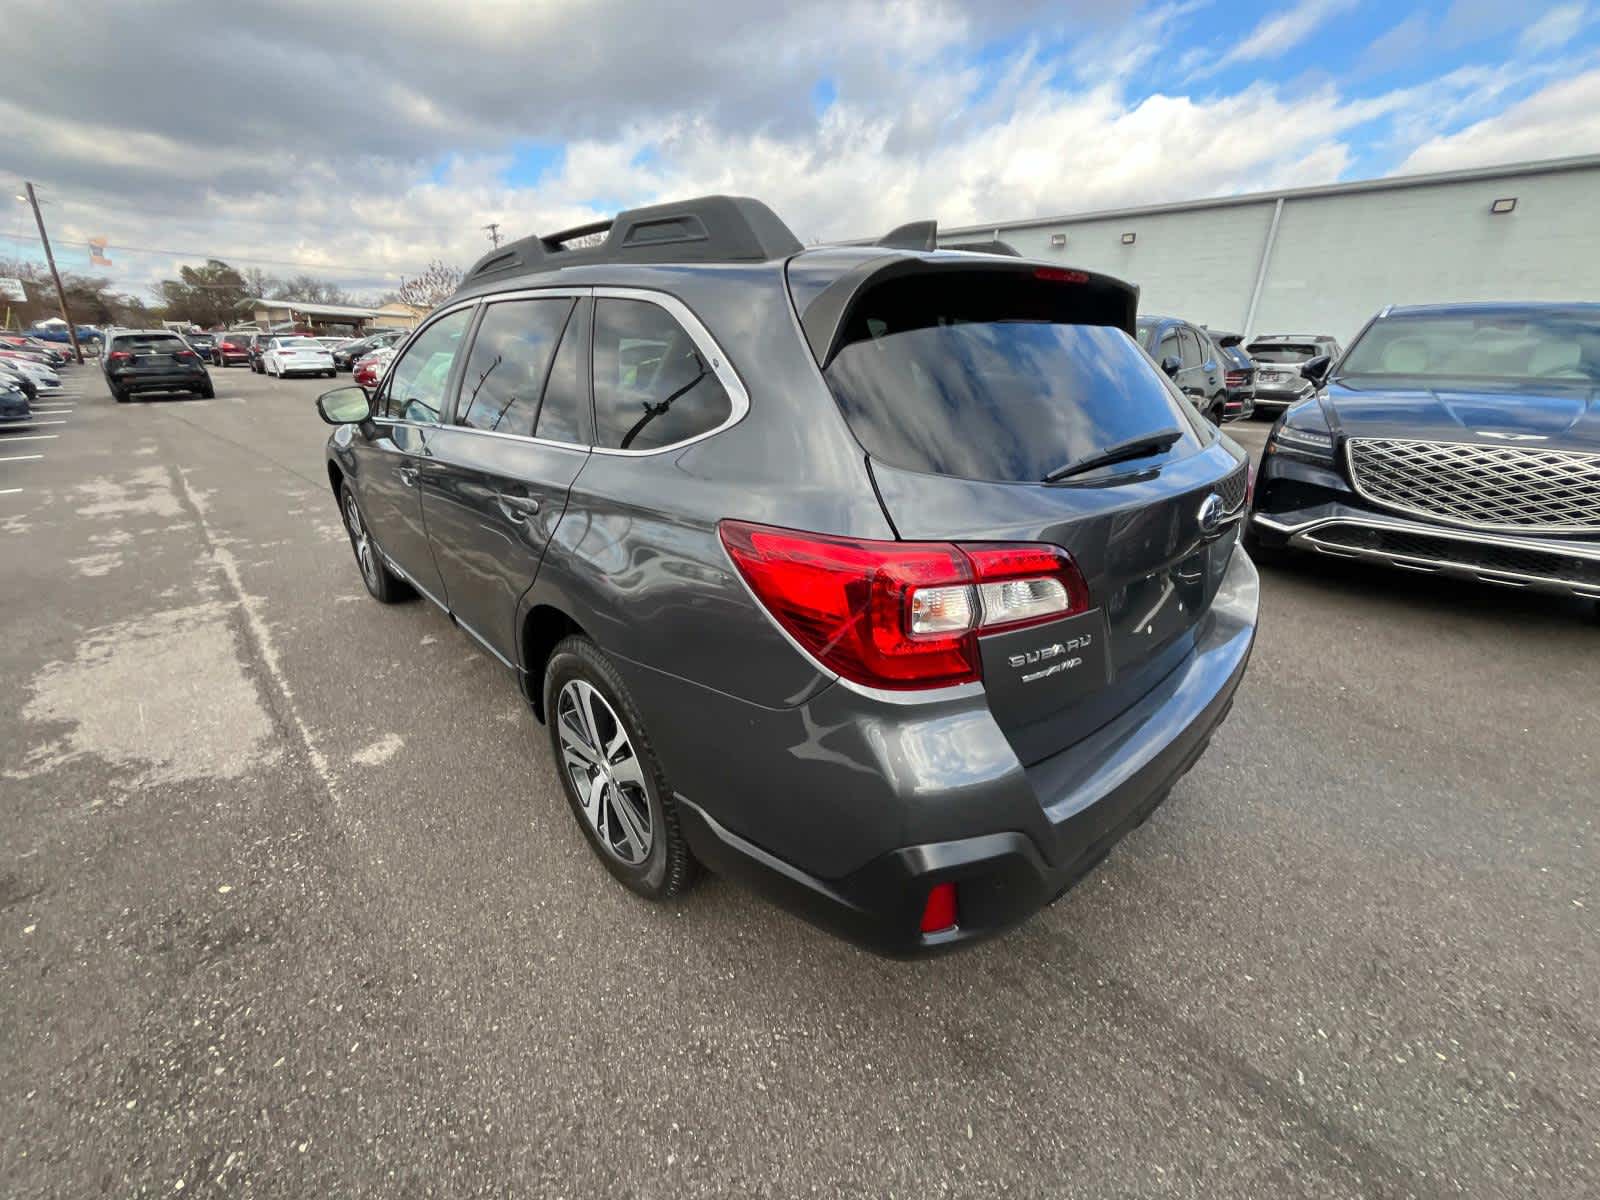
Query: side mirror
{"x": 1315, "y": 370}
{"x": 344, "y": 406}
{"x": 1171, "y": 365}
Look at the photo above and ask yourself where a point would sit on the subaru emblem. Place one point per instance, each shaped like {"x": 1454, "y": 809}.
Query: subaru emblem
{"x": 1210, "y": 515}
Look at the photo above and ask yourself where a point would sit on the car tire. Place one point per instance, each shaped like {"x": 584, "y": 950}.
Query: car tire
{"x": 383, "y": 584}
{"x": 633, "y": 801}
{"x": 120, "y": 395}
{"x": 206, "y": 391}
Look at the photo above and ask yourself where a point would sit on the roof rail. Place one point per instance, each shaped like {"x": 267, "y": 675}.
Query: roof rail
{"x": 705, "y": 229}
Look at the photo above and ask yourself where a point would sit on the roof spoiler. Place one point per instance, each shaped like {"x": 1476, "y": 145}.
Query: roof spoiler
{"x": 704, "y": 229}
{"x": 1105, "y": 300}
{"x": 914, "y": 235}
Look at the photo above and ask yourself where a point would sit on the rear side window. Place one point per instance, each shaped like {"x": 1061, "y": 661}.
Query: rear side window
{"x": 510, "y": 357}
{"x": 652, "y": 388}
{"x": 561, "y": 412}
{"x": 958, "y": 377}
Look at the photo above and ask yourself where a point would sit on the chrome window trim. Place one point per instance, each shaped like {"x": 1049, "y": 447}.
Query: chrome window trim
{"x": 515, "y": 437}
{"x": 721, "y": 367}
{"x": 1458, "y": 522}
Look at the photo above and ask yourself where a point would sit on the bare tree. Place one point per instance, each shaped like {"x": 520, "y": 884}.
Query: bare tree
{"x": 430, "y": 289}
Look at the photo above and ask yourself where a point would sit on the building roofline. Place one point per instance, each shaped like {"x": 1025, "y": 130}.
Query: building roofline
{"x": 299, "y": 306}
{"x": 1577, "y": 162}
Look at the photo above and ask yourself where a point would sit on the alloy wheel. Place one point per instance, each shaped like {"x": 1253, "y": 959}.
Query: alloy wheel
{"x": 366, "y": 553}
{"x": 605, "y": 772}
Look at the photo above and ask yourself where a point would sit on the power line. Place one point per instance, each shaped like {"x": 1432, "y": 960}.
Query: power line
{"x": 232, "y": 258}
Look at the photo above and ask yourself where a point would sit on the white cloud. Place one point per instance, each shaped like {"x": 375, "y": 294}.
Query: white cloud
{"x": 1553, "y": 30}
{"x": 363, "y": 158}
{"x": 1560, "y": 120}
{"x": 1278, "y": 34}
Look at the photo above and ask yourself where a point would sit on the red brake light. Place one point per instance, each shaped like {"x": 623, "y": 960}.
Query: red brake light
{"x": 939, "y": 913}
{"x": 1234, "y": 379}
{"x": 1060, "y": 275}
{"x": 118, "y": 356}
{"x": 900, "y": 614}
{"x": 185, "y": 354}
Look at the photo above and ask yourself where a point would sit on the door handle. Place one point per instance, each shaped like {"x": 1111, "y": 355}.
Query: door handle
{"x": 408, "y": 476}
{"x": 517, "y": 508}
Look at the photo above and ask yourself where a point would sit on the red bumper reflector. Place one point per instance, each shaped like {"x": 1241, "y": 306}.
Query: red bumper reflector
{"x": 939, "y": 913}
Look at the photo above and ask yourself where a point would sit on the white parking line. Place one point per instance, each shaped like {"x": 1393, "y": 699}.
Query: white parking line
{"x": 47, "y": 422}
{"x": 26, "y": 437}
{"x": 9, "y": 491}
{"x": 21, "y": 457}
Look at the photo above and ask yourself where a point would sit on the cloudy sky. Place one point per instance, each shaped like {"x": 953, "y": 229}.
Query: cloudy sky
{"x": 358, "y": 141}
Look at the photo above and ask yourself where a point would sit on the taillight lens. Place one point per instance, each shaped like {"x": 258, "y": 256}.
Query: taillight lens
{"x": 186, "y": 355}
{"x": 1234, "y": 379}
{"x": 900, "y": 614}
{"x": 118, "y": 356}
{"x": 940, "y": 912}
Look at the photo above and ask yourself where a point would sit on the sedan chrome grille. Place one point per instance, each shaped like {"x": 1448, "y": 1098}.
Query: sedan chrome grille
{"x": 1483, "y": 487}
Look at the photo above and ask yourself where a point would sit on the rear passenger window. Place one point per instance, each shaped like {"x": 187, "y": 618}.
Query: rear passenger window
{"x": 652, "y": 387}
{"x": 510, "y": 358}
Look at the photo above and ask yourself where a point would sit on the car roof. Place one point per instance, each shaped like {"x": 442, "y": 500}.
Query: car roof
{"x": 1485, "y": 307}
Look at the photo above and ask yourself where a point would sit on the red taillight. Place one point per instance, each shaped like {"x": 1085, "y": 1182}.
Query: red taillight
{"x": 939, "y": 913}
{"x": 1234, "y": 379}
{"x": 1060, "y": 275}
{"x": 900, "y": 614}
{"x": 185, "y": 355}
{"x": 118, "y": 356}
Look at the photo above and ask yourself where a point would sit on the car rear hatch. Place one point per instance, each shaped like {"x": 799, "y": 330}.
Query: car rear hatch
{"x": 156, "y": 355}
{"x": 969, "y": 383}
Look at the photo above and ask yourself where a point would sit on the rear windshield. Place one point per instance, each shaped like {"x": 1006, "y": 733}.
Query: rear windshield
{"x": 164, "y": 342}
{"x": 958, "y": 378}
{"x": 300, "y": 343}
{"x": 1284, "y": 352}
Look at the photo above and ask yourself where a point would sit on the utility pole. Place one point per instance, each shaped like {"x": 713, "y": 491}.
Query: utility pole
{"x": 61, "y": 292}
{"x": 494, "y": 233}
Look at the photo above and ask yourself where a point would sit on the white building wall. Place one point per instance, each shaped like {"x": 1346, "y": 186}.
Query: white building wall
{"x": 1341, "y": 255}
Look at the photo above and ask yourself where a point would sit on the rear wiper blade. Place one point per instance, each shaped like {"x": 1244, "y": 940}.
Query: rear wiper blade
{"x": 1140, "y": 447}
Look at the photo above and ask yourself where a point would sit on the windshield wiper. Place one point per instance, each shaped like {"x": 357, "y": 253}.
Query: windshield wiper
{"x": 1140, "y": 447}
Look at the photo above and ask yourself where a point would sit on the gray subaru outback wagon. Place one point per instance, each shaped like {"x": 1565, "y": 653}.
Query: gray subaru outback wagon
{"x": 896, "y": 582}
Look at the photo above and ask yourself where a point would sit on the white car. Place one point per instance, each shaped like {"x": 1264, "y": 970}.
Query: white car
{"x": 296, "y": 356}
{"x": 44, "y": 378}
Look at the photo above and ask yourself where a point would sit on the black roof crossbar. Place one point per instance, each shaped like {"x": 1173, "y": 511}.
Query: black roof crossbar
{"x": 704, "y": 230}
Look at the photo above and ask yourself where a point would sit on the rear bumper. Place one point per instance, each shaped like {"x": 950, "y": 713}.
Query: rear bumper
{"x": 1011, "y": 838}
{"x": 1276, "y": 400}
{"x": 157, "y": 381}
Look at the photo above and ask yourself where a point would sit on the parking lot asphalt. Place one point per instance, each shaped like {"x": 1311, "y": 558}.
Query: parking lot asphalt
{"x": 290, "y": 903}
